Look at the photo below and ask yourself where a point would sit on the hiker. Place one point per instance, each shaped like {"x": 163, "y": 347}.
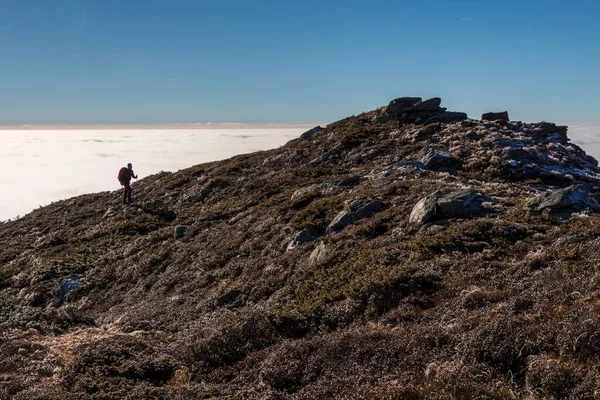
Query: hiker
{"x": 125, "y": 175}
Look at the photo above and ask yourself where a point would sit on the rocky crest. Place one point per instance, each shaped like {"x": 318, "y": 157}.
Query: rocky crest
{"x": 408, "y": 252}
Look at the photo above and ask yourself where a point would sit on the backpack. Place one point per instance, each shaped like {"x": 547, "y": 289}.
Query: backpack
{"x": 123, "y": 176}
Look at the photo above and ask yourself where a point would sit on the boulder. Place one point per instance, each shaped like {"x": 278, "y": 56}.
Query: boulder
{"x": 342, "y": 220}
{"x": 306, "y": 235}
{"x": 466, "y": 203}
{"x": 318, "y": 256}
{"x": 462, "y": 204}
{"x": 560, "y": 198}
{"x": 435, "y": 159}
{"x": 428, "y": 105}
{"x": 401, "y": 104}
{"x": 495, "y": 116}
{"x": 312, "y": 132}
{"x": 424, "y": 211}
{"x": 355, "y": 210}
{"x": 305, "y": 195}
{"x": 364, "y": 208}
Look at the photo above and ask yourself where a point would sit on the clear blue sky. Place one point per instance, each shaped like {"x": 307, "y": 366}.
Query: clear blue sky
{"x": 164, "y": 61}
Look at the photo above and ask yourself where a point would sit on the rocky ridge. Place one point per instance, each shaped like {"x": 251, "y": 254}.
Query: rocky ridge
{"x": 407, "y": 252}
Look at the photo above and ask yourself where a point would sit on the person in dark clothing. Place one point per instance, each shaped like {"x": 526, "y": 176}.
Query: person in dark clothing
{"x": 125, "y": 175}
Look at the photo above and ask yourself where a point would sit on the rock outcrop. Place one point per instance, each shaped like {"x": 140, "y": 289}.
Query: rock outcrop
{"x": 466, "y": 203}
{"x": 496, "y": 116}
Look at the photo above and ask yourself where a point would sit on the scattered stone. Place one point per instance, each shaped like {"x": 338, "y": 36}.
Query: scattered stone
{"x": 318, "y": 255}
{"x": 180, "y": 231}
{"x": 342, "y": 220}
{"x": 444, "y": 208}
{"x": 462, "y": 204}
{"x": 305, "y": 195}
{"x": 355, "y": 211}
{"x": 495, "y": 116}
{"x": 560, "y": 198}
{"x": 424, "y": 211}
{"x": 306, "y": 235}
{"x": 436, "y": 159}
{"x": 312, "y": 132}
{"x": 364, "y": 208}
{"x": 430, "y": 230}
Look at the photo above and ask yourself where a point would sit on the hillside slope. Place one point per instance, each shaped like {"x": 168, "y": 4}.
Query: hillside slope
{"x": 407, "y": 252}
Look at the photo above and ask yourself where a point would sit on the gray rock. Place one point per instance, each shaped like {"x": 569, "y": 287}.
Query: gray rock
{"x": 430, "y": 230}
{"x": 401, "y": 104}
{"x": 306, "y": 235}
{"x": 342, "y": 220}
{"x": 560, "y": 198}
{"x": 428, "y": 105}
{"x": 364, "y": 208}
{"x": 312, "y": 132}
{"x": 318, "y": 256}
{"x": 424, "y": 211}
{"x": 355, "y": 210}
{"x": 436, "y": 159}
{"x": 495, "y": 116}
{"x": 305, "y": 195}
{"x": 180, "y": 231}
{"x": 462, "y": 204}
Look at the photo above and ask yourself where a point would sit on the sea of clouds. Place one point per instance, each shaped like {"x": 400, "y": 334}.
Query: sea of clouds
{"x": 38, "y": 167}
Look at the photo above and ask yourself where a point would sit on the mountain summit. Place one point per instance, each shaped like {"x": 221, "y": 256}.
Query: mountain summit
{"x": 408, "y": 252}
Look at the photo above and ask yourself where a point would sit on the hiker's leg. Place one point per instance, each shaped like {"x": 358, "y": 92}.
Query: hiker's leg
{"x": 125, "y": 194}
{"x": 129, "y": 194}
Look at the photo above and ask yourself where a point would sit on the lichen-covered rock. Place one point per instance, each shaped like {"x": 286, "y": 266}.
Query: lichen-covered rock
{"x": 559, "y": 198}
{"x": 342, "y": 220}
{"x": 355, "y": 211}
{"x": 436, "y": 159}
{"x": 319, "y": 255}
{"x": 462, "y": 204}
{"x": 424, "y": 211}
{"x": 364, "y": 208}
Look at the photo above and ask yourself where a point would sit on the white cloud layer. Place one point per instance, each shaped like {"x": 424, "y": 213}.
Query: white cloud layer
{"x": 41, "y": 166}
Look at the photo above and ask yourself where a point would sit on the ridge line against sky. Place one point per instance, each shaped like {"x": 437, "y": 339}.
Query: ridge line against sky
{"x": 149, "y": 61}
